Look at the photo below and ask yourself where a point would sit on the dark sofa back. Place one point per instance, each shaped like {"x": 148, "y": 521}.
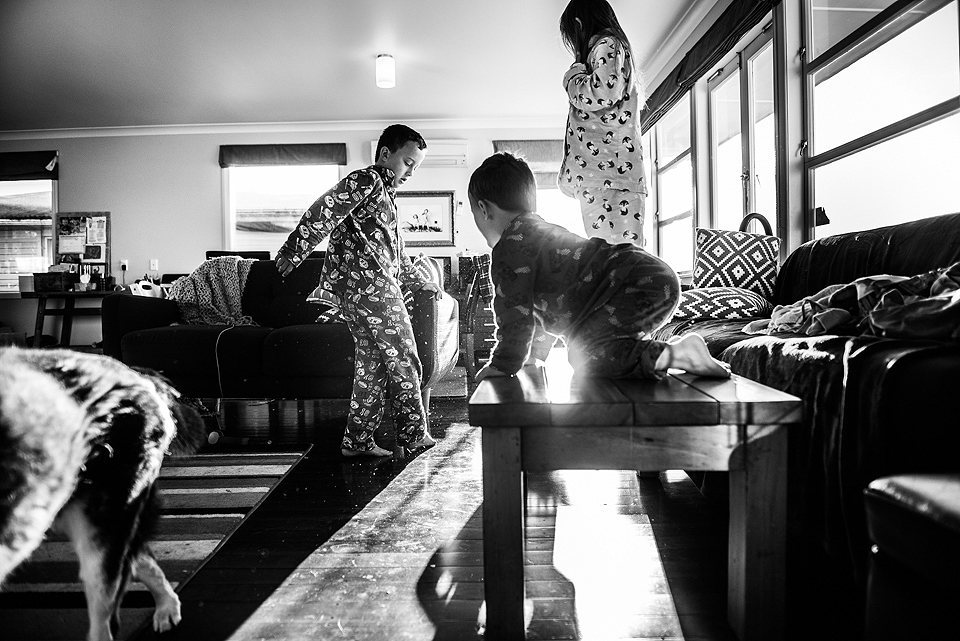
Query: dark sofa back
{"x": 274, "y": 301}
{"x": 906, "y": 249}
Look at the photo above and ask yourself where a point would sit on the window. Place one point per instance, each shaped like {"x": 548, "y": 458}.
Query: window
{"x": 544, "y": 158}
{"x": 28, "y": 196}
{"x": 561, "y": 210}
{"x": 268, "y": 187}
{"x": 672, "y": 187}
{"x": 742, "y": 144}
{"x": 265, "y": 203}
{"x": 884, "y": 103}
{"x": 833, "y": 20}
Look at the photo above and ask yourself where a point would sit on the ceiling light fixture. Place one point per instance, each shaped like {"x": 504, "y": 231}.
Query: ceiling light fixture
{"x": 386, "y": 71}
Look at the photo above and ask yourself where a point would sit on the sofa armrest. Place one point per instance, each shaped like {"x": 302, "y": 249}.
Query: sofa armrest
{"x": 436, "y": 327}
{"x": 123, "y": 313}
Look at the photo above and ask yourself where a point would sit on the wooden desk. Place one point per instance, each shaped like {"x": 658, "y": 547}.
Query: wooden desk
{"x": 68, "y": 311}
{"x": 542, "y": 419}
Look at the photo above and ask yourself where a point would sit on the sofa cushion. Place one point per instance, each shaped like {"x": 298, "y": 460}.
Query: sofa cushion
{"x": 721, "y": 303}
{"x": 719, "y": 334}
{"x": 196, "y": 350}
{"x": 273, "y": 300}
{"x": 906, "y": 249}
{"x": 915, "y": 518}
{"x": 312, "y": 350}
{"x": 736, "y": 259}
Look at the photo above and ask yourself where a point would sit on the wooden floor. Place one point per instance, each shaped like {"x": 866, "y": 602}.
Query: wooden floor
{"x": 347, "y": 549}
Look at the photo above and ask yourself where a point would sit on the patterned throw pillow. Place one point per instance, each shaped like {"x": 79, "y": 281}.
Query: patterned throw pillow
{"x": 721, "y": 303}
{"x": 736, "y": 259}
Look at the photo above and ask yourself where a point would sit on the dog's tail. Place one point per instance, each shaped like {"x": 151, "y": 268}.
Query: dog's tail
{"x": 42, "y": 448}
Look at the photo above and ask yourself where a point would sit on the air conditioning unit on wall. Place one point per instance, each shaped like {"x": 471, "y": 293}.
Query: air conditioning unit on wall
{"x": 448, "y": 154}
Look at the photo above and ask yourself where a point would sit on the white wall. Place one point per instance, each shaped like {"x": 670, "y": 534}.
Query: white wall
{"x": 162, "y": 188}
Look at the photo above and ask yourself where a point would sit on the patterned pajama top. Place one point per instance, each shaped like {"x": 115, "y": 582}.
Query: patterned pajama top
{"x": 602, "y": 148}
{"x": 550, "y": 282}
{"x": 360, "y": 216}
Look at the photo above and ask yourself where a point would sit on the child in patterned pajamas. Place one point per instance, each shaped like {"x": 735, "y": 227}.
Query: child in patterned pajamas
{"x": 603, "y": 157}
{"x": 366, "y": 266}
{"x": 603, "y": 299}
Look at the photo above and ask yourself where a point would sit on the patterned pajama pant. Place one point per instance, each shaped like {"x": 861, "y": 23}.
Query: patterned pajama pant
{"x": 614, "y": 341}
{"x": 386, "y": 364}
{"x": 615, "y": 215}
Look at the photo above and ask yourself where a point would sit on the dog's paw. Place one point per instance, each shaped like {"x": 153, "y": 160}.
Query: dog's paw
{"x": 167, "y": 615}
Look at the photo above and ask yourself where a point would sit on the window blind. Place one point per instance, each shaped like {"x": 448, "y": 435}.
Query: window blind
{"x": 736, "y": 20}
{"x": 298, "y": 154}
{"x": 543, "y": 156}
{"x": 29, "y": 165}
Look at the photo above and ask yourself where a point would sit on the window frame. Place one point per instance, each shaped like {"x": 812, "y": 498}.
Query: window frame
{"x": 229, "y": 211}
{"x": 880, "y": 29}
{"x": 47, "y": 240}
{"x": 657, "y": 171}
{"x": 739, "y": 61}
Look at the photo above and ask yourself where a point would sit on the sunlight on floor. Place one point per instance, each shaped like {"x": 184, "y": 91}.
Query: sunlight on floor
{"x": 608, "y": 551}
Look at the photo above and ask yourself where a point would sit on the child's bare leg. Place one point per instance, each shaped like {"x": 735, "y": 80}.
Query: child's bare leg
{"x": 690, "y": 354}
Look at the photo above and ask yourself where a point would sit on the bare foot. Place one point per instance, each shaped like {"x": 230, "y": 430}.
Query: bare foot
{"x": 376, "y": 451}
{"x": 426, "y": 441}
{"x": 690, "y": 354}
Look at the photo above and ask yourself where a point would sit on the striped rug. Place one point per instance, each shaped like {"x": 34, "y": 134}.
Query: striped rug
{"x": 205, "y": 497}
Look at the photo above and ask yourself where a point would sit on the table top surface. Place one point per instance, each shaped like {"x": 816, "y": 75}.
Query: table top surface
{"x": 552, "y": 396}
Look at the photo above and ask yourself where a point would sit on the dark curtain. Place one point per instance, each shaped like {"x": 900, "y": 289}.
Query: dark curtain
{"x": 543, "y": 156}
{"x": 29, "y": 165}
{"x": 718, "y": 41}
{"x": 305, "y": 154}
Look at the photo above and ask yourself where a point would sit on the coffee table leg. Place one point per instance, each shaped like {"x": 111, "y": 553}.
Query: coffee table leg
{"x": 503, "y": 501}
{"x": 756, "y": 570}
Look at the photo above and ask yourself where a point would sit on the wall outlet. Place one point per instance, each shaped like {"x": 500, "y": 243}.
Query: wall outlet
{"x": 124, "y": 264}
{"x": 154, "y": 264}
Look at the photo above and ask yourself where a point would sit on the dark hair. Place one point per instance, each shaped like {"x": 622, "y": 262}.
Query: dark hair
{"x": 506, "y": 181}
{"x": 598, "y": 18}
{"x": 396, "y": 136}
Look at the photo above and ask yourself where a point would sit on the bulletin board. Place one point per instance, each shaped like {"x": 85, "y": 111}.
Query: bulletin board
{"x": 82, "y": 240}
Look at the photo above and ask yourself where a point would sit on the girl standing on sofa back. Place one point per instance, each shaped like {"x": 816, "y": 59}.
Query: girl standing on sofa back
{"x": 603, "y": 158}
{"x": 365, "y": 266}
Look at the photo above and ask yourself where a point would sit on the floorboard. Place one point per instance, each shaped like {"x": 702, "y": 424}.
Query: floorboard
{"x": 392, "y": 549}
{"x": 364, "y": 549}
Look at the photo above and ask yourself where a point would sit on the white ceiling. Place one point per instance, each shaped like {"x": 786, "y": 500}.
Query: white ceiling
{"x": 130, "y": 63}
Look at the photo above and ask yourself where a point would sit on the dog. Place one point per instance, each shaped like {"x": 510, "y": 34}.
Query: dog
{"x": 82, "y": 438}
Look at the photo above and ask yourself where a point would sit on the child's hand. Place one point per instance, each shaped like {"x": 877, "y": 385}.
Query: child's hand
{"x": 488, "y": 371}
{"x": 284, "y": 266}
{"x": 431, "y": 287}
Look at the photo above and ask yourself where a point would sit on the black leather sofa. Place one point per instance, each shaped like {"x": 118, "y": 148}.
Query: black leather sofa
{"x": 914, "y": 526}
{"x": 287, "y": 356}
{"x": 873, "y": 406}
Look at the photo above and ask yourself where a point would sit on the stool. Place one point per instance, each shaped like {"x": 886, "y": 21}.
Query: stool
{"x": 913, "y": 521}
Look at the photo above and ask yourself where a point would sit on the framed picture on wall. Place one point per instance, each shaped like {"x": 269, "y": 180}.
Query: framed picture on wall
{"x": 426, "y": 218}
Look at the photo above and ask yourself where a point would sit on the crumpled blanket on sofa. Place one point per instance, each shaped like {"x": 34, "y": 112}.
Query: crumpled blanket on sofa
{"x": 212, "y": 293}
{"x": 923, "y": 306}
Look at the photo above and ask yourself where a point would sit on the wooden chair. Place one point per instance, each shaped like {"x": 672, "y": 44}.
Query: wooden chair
{"x": 479, "y": 327}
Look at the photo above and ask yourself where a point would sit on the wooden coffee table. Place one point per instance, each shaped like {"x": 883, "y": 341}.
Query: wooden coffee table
{"x": 541, "y": 419}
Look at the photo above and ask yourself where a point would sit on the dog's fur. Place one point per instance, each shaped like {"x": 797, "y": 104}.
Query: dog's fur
{"x": 82, "y": 438}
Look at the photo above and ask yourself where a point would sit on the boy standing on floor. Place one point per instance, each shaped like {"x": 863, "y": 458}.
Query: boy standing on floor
{"x": 603, "y": 299}
{"x": 365, "y": 266}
